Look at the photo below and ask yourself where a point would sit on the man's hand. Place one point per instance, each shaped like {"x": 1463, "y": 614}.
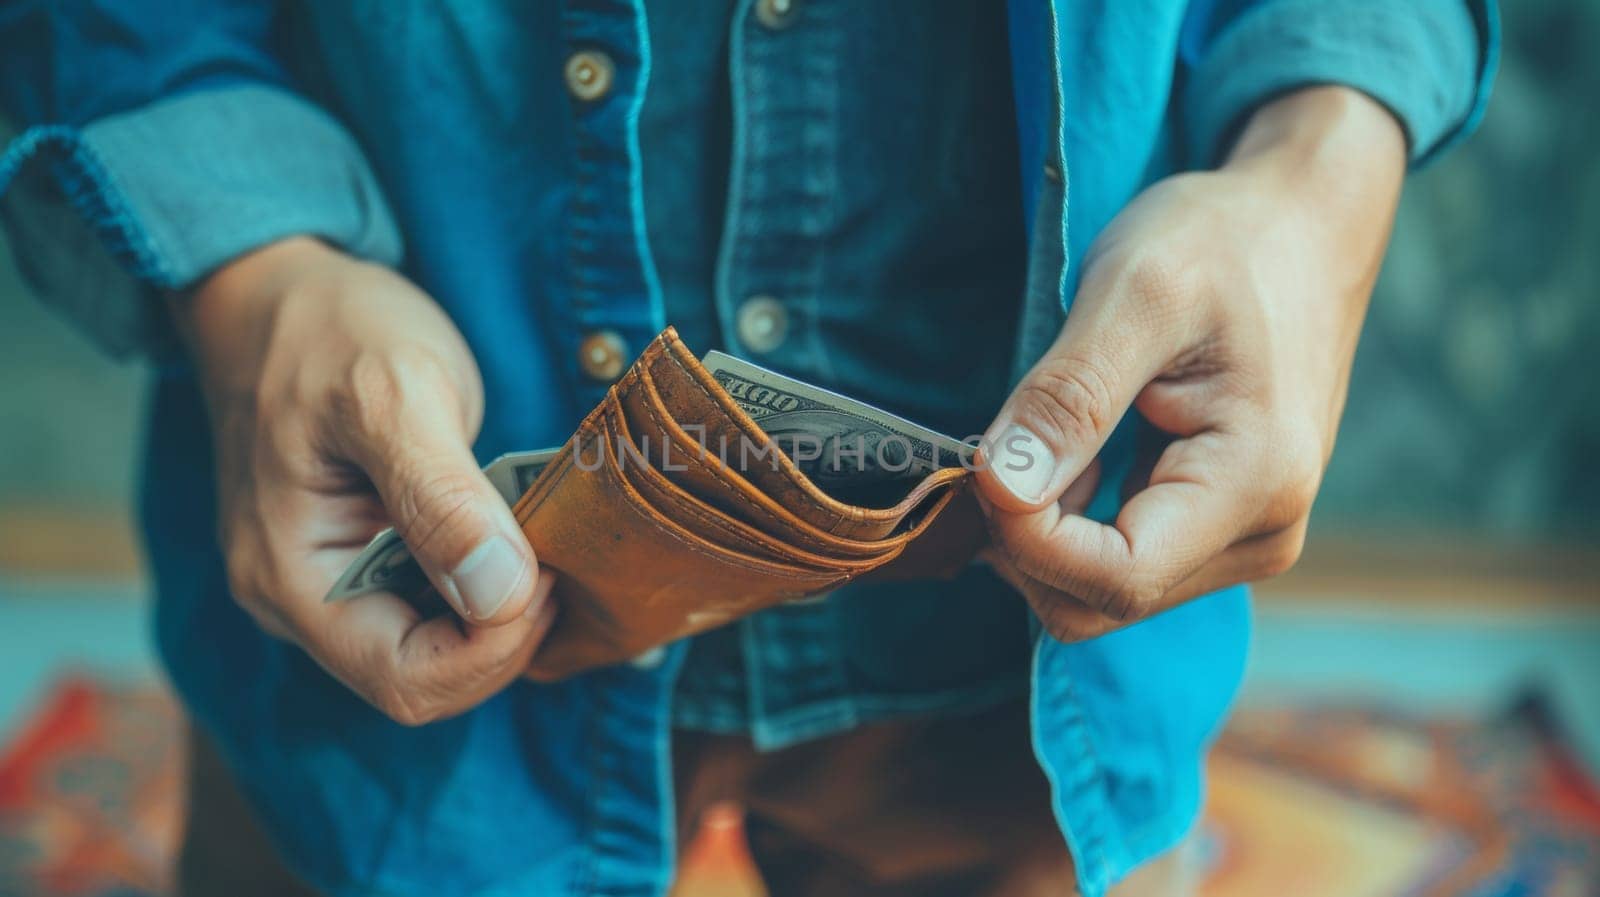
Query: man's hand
{"x": 341, "y": 399}
{"x": 1225, "y": 307}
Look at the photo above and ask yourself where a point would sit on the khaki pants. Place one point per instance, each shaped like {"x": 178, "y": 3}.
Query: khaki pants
{"x": 943, "y": 807}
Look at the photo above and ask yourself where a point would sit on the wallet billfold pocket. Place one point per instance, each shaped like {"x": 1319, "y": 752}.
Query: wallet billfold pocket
{"x": 659, "y": 524}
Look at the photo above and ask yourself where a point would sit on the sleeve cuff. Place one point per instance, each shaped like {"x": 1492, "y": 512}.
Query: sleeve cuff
{"x": 103, "y": 219}
{"x": 1429, "y": 61}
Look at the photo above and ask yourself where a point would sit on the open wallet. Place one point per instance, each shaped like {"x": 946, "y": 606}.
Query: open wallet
{"x": 670, "y": 511}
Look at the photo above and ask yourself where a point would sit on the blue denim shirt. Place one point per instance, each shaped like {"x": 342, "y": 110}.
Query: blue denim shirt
{"x": 167, "y": 137}
{"x": 867, "y": 280}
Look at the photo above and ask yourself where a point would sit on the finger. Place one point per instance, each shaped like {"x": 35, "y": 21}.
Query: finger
{"x": 1069, "y": 619}
{"x": 1189, "y": 514}
{"x": 1075, "y": 500}
{"x": 413, "y": 667}
{"x": 1116, "y": 340}
{"x": 1249, "y": 560}
{"x": 1066, "y": 618}
{"x": 1063, "y": 616}
{"x": 419, "y": 670}
{"x": 455, "y": 524}
{"x": 268, "y": 565}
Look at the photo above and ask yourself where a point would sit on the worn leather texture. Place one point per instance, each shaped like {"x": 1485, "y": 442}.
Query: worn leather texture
{"x": 670, "y": 512}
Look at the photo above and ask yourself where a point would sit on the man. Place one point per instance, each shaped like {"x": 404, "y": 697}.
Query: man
{"x": 377, "y": 243}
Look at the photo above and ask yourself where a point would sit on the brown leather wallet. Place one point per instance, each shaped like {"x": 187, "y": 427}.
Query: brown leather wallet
{"x": 657, "y": 534}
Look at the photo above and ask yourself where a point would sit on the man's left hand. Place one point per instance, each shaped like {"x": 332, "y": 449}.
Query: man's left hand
{"x": 1224, "y": 307}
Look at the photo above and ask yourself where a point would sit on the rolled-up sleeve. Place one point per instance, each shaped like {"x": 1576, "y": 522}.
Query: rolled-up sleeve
{"x": 1430, "y": 62}
{"x": 111, "y": 198}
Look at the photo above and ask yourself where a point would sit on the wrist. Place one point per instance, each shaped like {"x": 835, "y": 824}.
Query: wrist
{"x": 1333, "y": 151}
{"x": 239, "y": 296}
{"x": 1325, "y": 128}
{"x": 228, "y": 318}
{"x": 1331, "y": 161}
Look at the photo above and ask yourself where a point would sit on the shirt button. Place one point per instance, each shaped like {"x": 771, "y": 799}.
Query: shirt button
{"x": 589, "y": 75}
{"x": 777, "y": 14}
{"x": 601, "y": 356}
{"x": 649, "y": 659}
{"x": 762, "y": 324}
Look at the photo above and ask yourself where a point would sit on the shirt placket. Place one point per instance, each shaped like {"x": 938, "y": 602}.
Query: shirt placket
{"x": 771, "y": 273}
{"x": 615, "y": 307}
{"x": 615, "y": 310}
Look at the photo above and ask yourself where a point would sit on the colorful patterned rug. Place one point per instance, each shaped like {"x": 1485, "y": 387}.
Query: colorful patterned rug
{"x": 1311, "y": 802}
{"x": 91, "y": 794}
{"x": 1343, "y": 802}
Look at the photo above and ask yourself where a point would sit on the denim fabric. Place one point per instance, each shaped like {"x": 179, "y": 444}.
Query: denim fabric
{"x": 151, "y": 182}
{"x": 524, "y": 213}
{"x": 1275, "y": 46}
{"x": 872, "y": 271}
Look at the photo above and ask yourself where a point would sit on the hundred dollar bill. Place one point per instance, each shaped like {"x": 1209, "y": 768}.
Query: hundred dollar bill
{"x": 512, "y": 473}
{"x": 385, "y": 565}
{"x": 844, "y": 445}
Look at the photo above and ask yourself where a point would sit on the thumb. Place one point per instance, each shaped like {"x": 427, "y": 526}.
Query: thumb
{"x": 455, "y": 524}
{"x": 1061, "y": 413}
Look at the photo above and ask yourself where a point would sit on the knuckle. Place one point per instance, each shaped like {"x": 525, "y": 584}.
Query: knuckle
{"x": 376, "y": 387}
{"x": 1104, "y": 583}
{"x": 1062, "y": 626}
{"x": 1066, "y": 618}
{"x": 1300, "y": 492}
{"x": 1154, "y": 282}
{"x": 239, "y": 562}
{"x": 1067, "y": 402}
{"x": 247, "y": 595}
{"x": 248, "y": 583}
{"x": 1296, "y": 479}
{"x": 1293, "y": 502}
{"x": 402, "y": 708}
{"x": 1121, "y": 585}
{"x": 371, "y": 396}
{"x": 1134, "y": 600}
{"x": 1046, "y": 567}
{"x": 1283, "y": 553}
{"x": 253, "y": 586}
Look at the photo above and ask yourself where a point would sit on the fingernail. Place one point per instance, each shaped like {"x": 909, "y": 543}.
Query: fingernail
{"x": 1022, "y": 463}
{"x": 484, "y": 579}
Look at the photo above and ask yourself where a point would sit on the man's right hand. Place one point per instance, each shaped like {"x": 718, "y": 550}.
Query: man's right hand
{"x": 342, "y": 400}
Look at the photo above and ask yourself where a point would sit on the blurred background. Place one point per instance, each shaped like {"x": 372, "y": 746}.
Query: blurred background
{"x": 1421, "y": 713}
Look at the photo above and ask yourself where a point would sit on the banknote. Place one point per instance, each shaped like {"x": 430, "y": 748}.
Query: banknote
{"x": 847, "y": 447}
{"x": 386, "y": 566}
{"x": 511, "y": 474}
